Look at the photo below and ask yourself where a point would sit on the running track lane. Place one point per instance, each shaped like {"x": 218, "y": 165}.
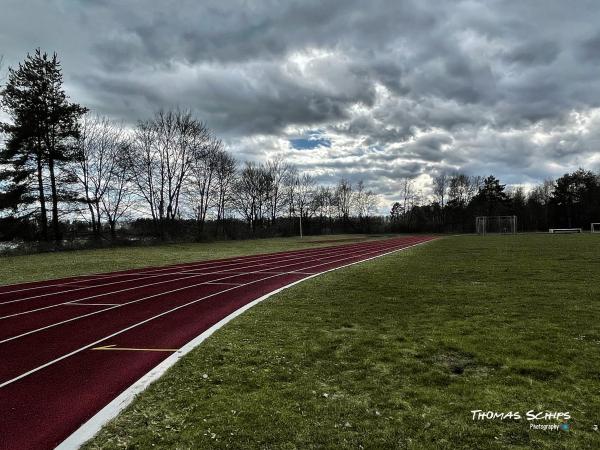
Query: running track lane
{"x": 51, "y": 378}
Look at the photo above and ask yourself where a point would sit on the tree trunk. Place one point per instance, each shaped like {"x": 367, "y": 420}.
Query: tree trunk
{"x": 220, "y": 218}
{"x": 55, "y": 223}
{"x": 113, "y": 229}
{"x": 200, "y": 223}
{"x": 93, "y": 216}
{"x": 98, "y": 221}
{"x": 43, "y": 212}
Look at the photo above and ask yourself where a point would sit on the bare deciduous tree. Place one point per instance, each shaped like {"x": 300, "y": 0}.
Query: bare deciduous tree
{"x": 250, "y": 190}
{"x": 343, "y": 194}
{"x": 324, "y": 205}
{"x": 407, "y": 192}
{"x": 101, "y": 169}
{"x": 162, "y": 156}
{"x": 460, "y": 189}
{"x": 225, "y": 174}
{"x": 365, "y": 201}
{"x": 277, "y": 171}
{"x": 304, "y": 187}
{"x": 441, "y": 183}
{"x": 118, "y": 199}
{"x": 203, "y": 177}
{"x": 290, "y": 191}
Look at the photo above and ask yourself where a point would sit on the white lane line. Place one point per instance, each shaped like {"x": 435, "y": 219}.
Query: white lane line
{"x": 156, "y": 270}
{"x": 263, "y": 256}
{"x": 245, "y": 273}
{"x": 86, "y": 287}
{"x": 296, "y": 257}
{"x": 114, "y": 347}
{"x": 55, "y": 305}
{"x": 86, "y": 431}
{"x": 273, "y": 260}
{"x": 67, "y": 355}
{"x": 223, "y": 282}
{"x": 89, "y": 304}
{"x": 137, "y": 301}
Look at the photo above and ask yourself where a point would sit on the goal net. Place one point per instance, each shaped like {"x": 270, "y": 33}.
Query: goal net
{"x": 595, "y": 228}
{"x": 496, "y": 224}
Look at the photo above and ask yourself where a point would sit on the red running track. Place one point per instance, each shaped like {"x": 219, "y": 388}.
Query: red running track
{"x": 52, "y": 379}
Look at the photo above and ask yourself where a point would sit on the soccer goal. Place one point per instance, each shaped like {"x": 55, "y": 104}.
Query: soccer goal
{"x": 496, "y": 224}
{"x": 595, "y": 227}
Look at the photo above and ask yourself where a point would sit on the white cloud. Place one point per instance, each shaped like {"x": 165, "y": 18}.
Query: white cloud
{"x": 399, "y": 88}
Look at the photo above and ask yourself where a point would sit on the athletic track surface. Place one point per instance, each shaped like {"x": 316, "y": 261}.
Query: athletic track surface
{"x": 70, "y": 346}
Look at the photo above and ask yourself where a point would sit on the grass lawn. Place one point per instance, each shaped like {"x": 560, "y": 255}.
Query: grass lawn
{"x": 395, "y": 353}
{"x": 44, "y": 266}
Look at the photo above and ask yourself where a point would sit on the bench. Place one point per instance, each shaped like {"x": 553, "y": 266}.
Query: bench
{"x": 565, "y": 230}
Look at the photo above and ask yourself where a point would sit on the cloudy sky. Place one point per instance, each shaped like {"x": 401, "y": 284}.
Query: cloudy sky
{"x": 376, "y": 89}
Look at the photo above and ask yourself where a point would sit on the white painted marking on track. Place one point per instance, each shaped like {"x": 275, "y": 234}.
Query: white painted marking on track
{"x": 113, "y": 347}
{"x": 86, "y": 431}
{"x": 339, "y": 250}
{"x": 67, "y": 355}
{"x": 89, "y": 304}
{"x": 37, "y": 330}
{"x": 304, "y": 253}
{"x": 156, "y": 270}
{"x": 29, "y": 311}
{"x": 112, "y": 283}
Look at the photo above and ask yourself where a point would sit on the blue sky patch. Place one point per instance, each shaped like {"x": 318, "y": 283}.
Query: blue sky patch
{"x": 311, "y": 141}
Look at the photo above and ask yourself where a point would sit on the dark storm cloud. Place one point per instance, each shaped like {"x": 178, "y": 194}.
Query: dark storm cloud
{"x": 590, "y": 48}
{"x": 533, "y": 53}
{"x": 398, "y": 88}
{"x": 265, "y": 104}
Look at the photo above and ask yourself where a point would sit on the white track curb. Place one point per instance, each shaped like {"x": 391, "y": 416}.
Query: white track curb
{"x": 87, "y": 431}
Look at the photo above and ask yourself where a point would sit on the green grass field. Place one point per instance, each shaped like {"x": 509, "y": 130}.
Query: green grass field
{"x": 396, "y": 353}
{"x": 44, "y": 266}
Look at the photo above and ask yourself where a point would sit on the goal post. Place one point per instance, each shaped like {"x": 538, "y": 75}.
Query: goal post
{"x": 595, "y": 227}
{"x": 496, "y": 225}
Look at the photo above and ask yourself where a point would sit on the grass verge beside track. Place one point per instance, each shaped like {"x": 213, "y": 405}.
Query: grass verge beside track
{"x": 44, "y": 266}
{"x": 395, "y": 353}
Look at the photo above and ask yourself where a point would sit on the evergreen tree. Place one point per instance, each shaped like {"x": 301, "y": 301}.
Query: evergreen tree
{"x": 576, "y": 199}
{"x": 491, "y": 198}
{"x": 40, "y": 138}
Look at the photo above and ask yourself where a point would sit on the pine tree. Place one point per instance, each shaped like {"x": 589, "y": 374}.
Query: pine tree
{"x": 41, "y": 138}
{"x": 491, "y": 196}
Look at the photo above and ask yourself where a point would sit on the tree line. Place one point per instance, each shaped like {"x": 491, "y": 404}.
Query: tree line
{"x": 63, "y": 168}
{"x": 570, "y": 201}
{"x": 61, "y": 164}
